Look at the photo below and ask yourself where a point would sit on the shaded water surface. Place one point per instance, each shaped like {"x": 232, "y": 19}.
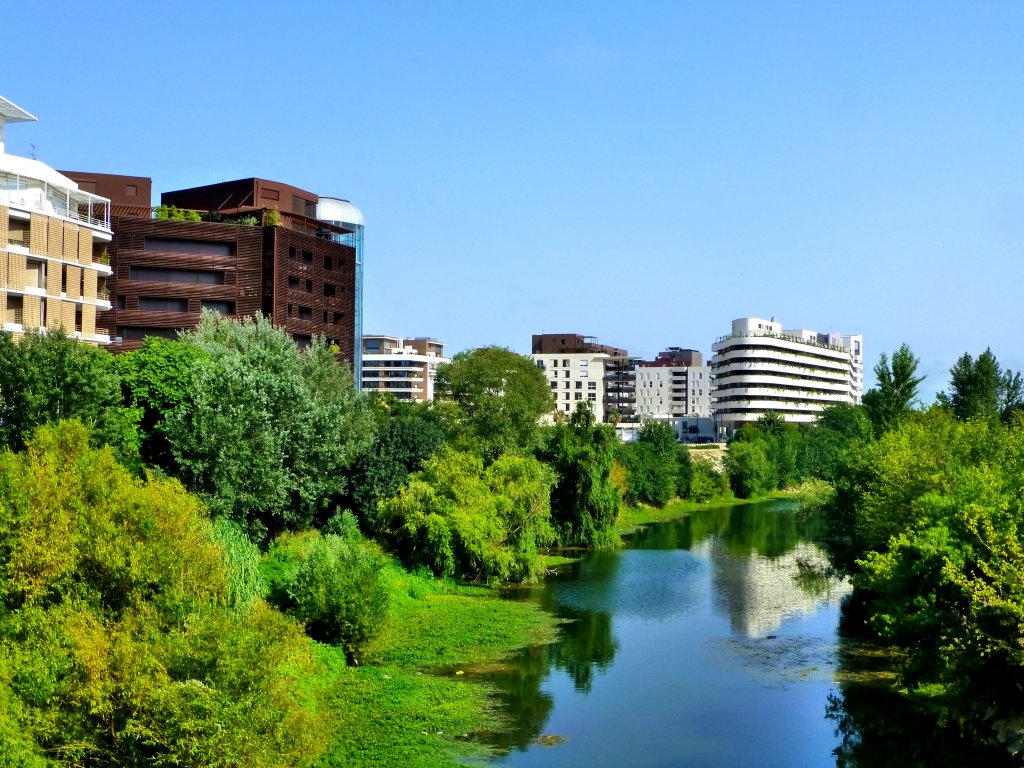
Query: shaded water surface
{"x": 709, "y": 641}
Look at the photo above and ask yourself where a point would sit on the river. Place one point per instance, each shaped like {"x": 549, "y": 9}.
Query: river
{"x": 708, "y": 641}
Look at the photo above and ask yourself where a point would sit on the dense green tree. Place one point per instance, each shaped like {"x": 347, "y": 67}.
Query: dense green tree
{"x": 266, "y": 432}
{"x": 651, "y": 463}
{"x": 939, "y": 518}
{"x": 780, "y": 441}
{"x": 117, "y": 646}
{"x": 406, "y": 436}
{"x": 157, "y": 378}
{"x": 460, "y": 519}
{"x": 500, "y": 394}
{"x": 751, "y": 473}
{"x": 584, "y": 501}
{"x": 895, "y": 391}
{"x": 981, "y": 389}
{"x": 824, "y": 444}
{"x": 47, "y": 377}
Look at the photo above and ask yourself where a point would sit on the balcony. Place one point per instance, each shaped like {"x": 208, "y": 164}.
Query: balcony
{"x": 31, "y": 194}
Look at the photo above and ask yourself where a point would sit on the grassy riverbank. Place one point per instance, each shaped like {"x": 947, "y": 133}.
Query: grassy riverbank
{"x": 391, "y": 712}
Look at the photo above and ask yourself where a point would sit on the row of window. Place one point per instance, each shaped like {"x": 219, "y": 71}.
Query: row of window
{"x": 591, "y": 385}
{"x": 169, "y": 304}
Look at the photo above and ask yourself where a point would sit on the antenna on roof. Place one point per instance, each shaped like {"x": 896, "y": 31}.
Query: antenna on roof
{"x": 33, "y": 151}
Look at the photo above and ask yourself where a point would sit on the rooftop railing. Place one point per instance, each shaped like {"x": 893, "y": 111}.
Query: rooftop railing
{"x": 23, "y": 192}
{"x": 782, "y": 336}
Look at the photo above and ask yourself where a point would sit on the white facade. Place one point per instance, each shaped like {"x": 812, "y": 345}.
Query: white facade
{"x": 403, "y": 368}
{"x": 673, "y": 391}
{"x": 760, "y": 367}
{"x": 575, "y": 378}
{"x": 52, "y": 242}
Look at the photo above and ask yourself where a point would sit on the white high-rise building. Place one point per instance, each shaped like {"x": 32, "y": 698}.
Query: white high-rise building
{"x": 760, "y": 367}
{"x": 53, "y": 239}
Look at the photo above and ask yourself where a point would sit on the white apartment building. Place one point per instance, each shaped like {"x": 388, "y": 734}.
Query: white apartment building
{"x": 676, "y": 383}
{"x": 761, "y": 367}
{"x": 575, "y": 377}
{"x": 401, "y": 367}
{"x": 53, "y": 239}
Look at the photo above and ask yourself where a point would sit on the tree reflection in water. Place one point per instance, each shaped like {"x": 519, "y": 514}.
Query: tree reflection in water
{"x": 880, "y": 728}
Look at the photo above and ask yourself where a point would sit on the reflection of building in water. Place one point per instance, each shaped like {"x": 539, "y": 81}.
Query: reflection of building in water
{"x": 759, "y": 593}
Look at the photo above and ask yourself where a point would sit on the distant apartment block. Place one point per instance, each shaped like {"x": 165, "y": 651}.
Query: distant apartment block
{"x": 53, "y": 246}
{"x": 761, "y": 367}
{"x": 579, "y": 369}
{"x": 400, "y": 367}
{"x": 245, "y": 247}
{"x": 676, "y": 383}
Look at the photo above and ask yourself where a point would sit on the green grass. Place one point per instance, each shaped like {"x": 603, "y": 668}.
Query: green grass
{"x": 392, "y": 712}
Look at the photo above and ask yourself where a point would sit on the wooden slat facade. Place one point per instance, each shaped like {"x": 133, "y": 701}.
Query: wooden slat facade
{"x": 255, "y": 279}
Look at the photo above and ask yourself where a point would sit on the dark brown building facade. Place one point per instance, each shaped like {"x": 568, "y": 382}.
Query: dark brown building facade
{"x": 241, "y": 258}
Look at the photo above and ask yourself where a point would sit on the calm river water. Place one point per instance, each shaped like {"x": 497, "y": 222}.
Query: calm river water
{"x": 709, "y": 641}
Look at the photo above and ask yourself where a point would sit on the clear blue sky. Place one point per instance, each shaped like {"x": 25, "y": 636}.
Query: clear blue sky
{"x": 640, "y": 172}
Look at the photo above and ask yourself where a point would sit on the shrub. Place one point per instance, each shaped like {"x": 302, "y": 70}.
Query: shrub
{"x": 333, "y": 584}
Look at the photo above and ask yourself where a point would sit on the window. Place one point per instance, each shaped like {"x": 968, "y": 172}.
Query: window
{"x": 591, "y": 396}
{"x": 223, "y": 307}
{"x": 565, "y": 374}
{"x": 130, "y": 333}
{"x": 292, "y": 253}
{"x": 579, "y": 385}
{"x": 337, "y": 317}
{"x": 293, "y": 283}
{"x": 554, "y": 385}
{"x": 205, "y": 247}
{"x": 565, "y": 362}
{"x": 305, "y": 313}
{"x": 158, "y": 304}
{"x": 122, "y": 302}
{"x": 579, "y": 395}
{"x": 307, "y": 257}
{"x": 591, "y": 385}
{"x": 328, "y": 263}
{"x": 329, "y": 290}
{"x": 163, "y": 275}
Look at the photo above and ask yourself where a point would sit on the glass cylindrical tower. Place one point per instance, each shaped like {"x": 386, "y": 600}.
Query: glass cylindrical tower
{"x": 343, "y": 214}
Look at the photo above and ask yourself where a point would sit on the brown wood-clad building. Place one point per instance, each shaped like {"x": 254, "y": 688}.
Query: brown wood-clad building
{"x": 292, "y": 267}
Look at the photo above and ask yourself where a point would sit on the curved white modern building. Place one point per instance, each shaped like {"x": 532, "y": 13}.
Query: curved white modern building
{"x": 53, "y": 237}
{"x": 761, "y": 367}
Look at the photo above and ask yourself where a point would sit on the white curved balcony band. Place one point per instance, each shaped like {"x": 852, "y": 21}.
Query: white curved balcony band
{"x": 729, "y": 355}
{"x": 744, "y": 367}
{"x": 793, "y": 397}
{"x": 778, "y": 382}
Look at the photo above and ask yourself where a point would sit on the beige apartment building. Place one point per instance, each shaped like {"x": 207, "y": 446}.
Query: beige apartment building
{"x": 53, "y": 239}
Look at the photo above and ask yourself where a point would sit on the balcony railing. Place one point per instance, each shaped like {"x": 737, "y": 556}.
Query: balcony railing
{"x": 23, "y": 192}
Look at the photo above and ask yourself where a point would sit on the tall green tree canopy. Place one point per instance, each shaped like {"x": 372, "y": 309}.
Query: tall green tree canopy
{"x": 266, "y": 431}
{"x": 980, "y": 389}
{"x": 47, "y": 377}
{"x": 459, "y": 518}
{"x": 500, "y": 394}
{"x": 651, "y": 463}
{"x": 895, "y": 391}
{"x": 584, "y": 500}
